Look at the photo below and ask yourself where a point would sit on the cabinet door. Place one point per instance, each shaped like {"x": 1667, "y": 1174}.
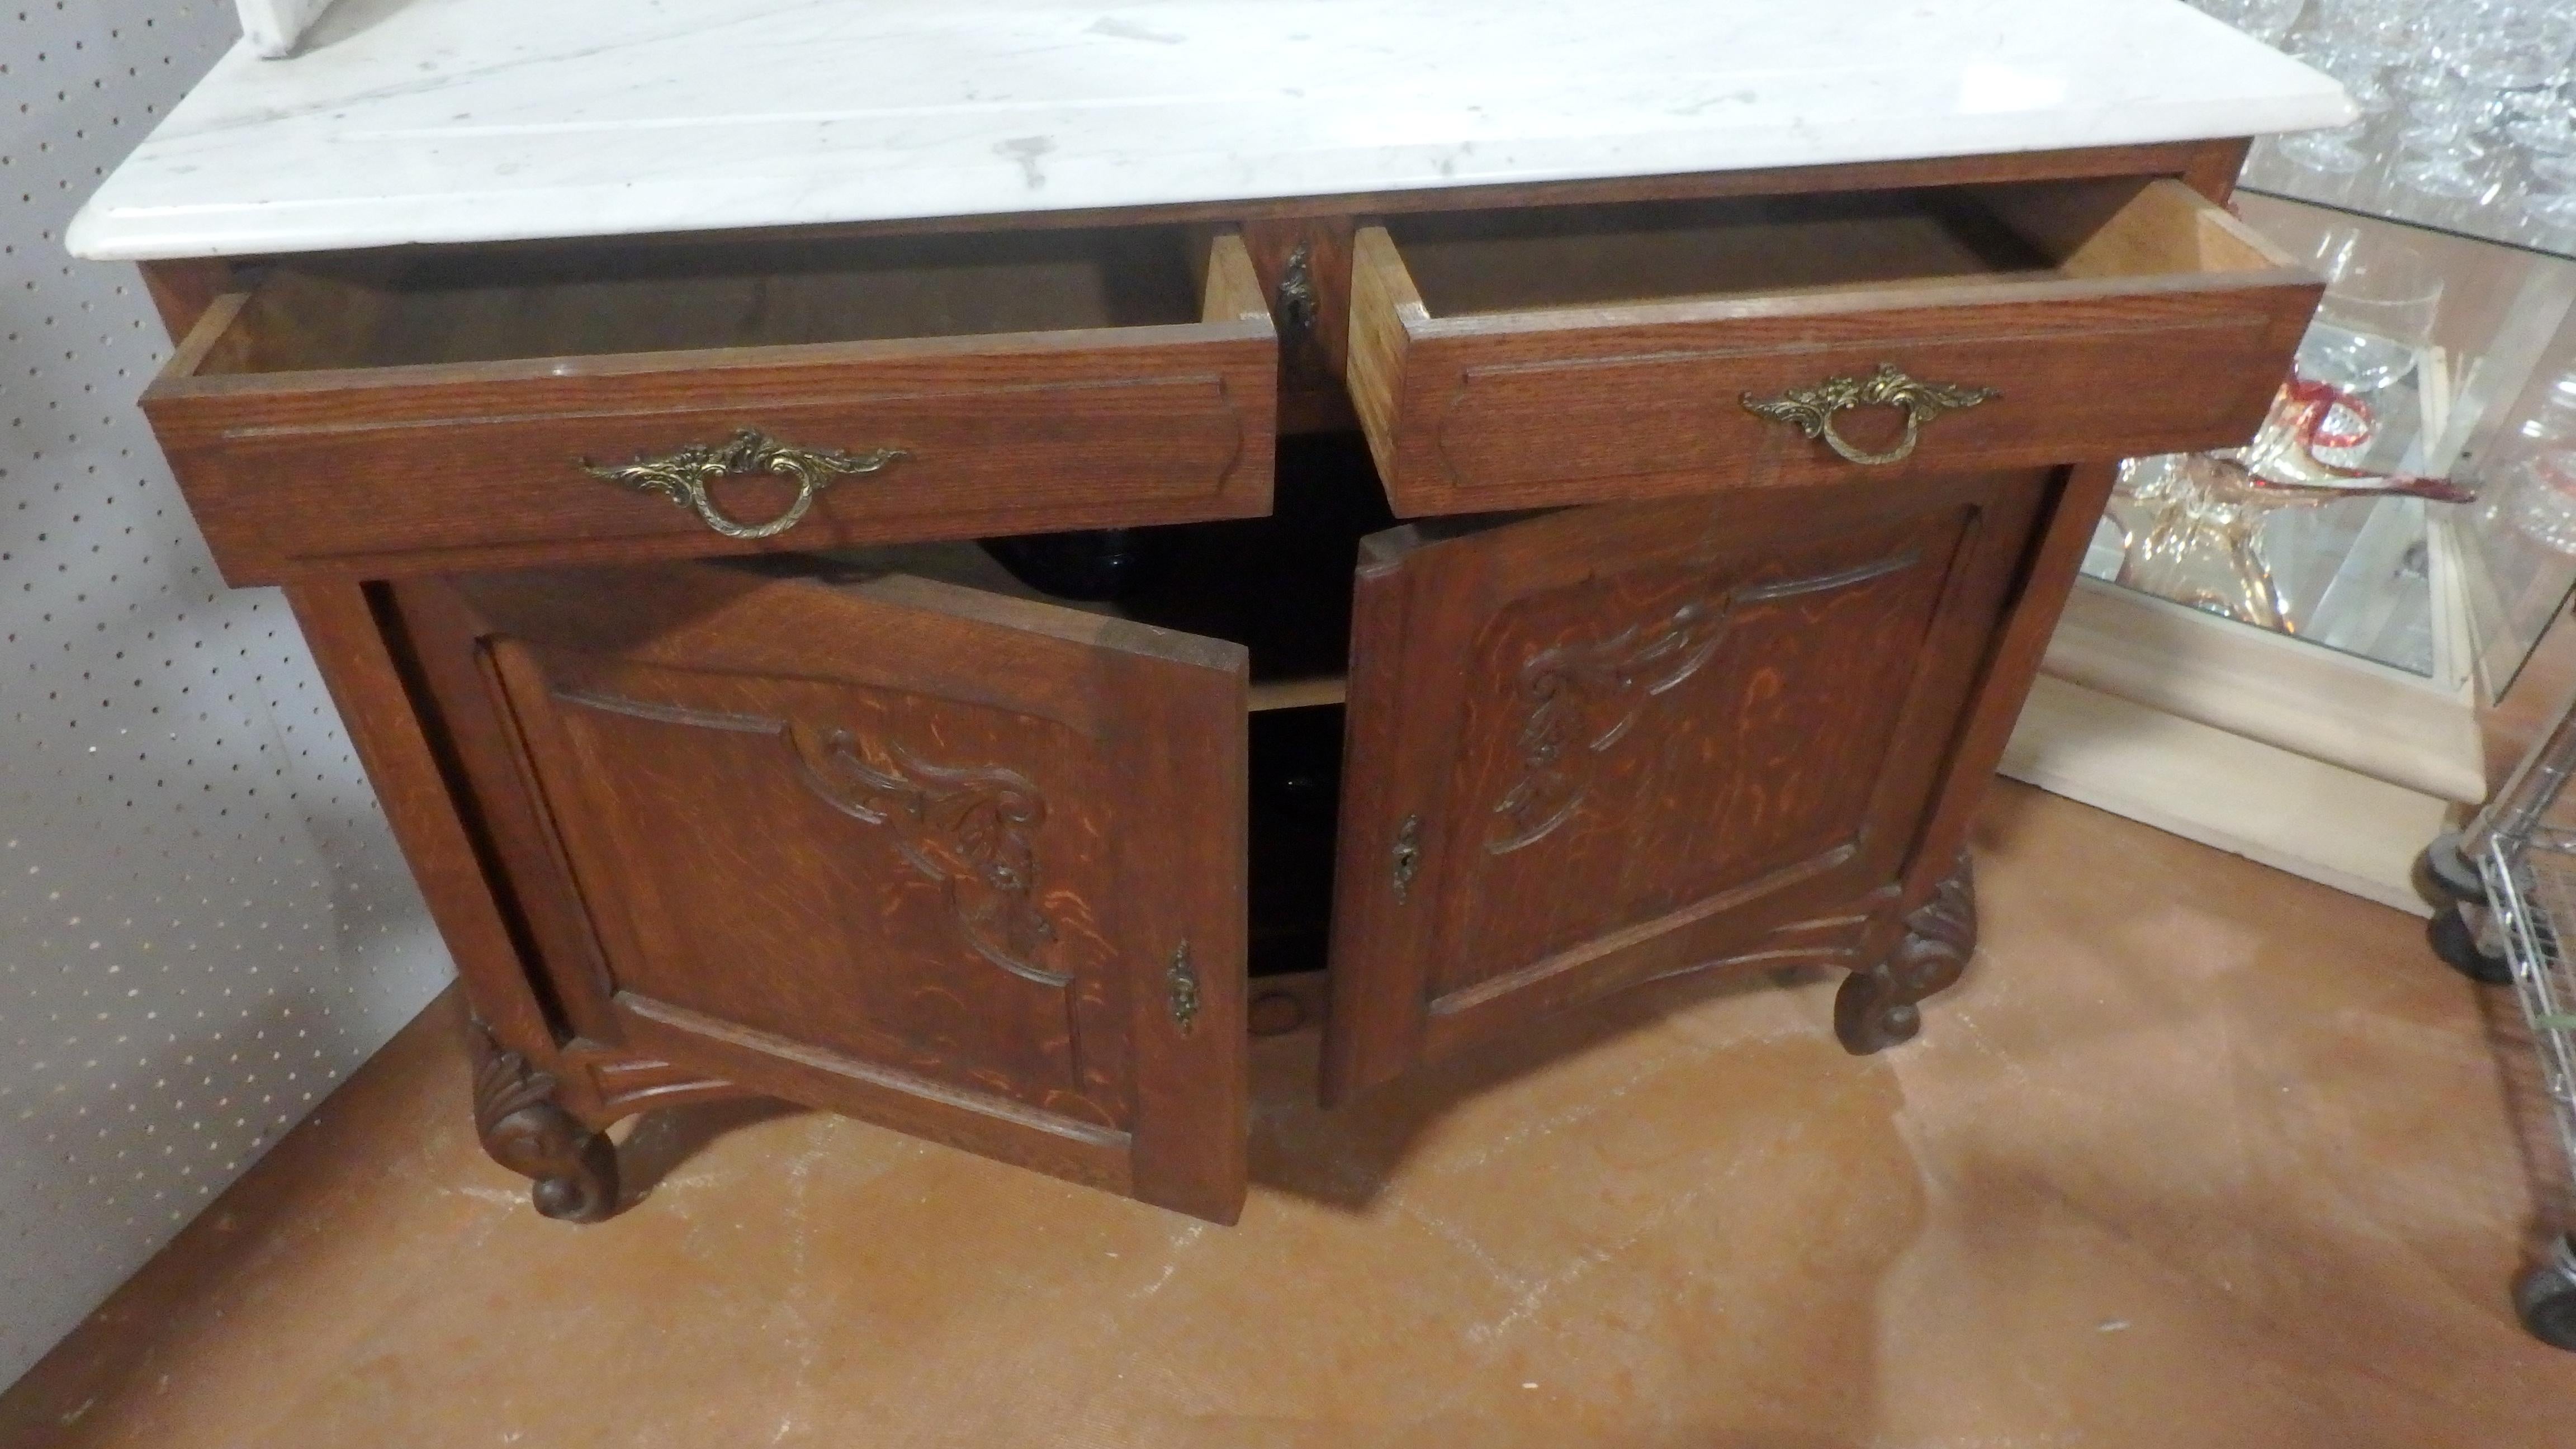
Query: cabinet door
{"x": 967, "y": 866}
{"x": 1616, "y": 743}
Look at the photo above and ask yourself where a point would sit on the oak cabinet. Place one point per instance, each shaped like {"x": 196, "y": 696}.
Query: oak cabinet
{"x": 1661, "y": 609}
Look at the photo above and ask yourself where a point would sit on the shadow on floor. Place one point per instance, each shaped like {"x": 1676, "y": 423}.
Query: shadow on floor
{"x": 1345, "y": 1158}
{"x": 661, "y": 1141}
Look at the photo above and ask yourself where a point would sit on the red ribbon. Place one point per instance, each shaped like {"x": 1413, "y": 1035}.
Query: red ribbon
{"x": 2318, "y": 402}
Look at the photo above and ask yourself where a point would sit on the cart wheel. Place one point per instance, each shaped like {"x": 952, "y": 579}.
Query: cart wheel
{"x": 2457, "y": 944}
{"x": 2546, "y": 1298}
{"x": 2451, "y": 873}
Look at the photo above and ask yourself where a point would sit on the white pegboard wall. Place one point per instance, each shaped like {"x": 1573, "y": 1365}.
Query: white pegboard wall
{"x": 203, "y": 922}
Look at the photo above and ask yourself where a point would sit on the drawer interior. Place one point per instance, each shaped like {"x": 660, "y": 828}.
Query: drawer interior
{"x": 1469, "y": 264}
{"x": 572, "y": 301}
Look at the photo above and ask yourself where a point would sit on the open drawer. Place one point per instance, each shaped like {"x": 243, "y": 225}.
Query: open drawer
{"x": 1574, "y": 355}
{"x": 385, "y": 415}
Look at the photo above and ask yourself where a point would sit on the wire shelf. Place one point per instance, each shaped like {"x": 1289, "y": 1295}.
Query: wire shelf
{"x": 2531, "y": 892}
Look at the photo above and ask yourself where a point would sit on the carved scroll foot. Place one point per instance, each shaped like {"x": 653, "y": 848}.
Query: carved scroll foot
{"x": 1878, "y": 1006}
{"x": 574, "y": 1169}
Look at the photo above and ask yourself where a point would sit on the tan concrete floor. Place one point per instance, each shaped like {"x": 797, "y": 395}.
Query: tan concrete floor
{"x": 2200, "y": 1154}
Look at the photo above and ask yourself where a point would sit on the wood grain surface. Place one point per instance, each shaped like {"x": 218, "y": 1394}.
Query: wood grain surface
{"x": 1614, "y": 743}
{"x": 880, "y": 844}
{"x": 377, "y": 470}
{"x": 2156, "y": 324}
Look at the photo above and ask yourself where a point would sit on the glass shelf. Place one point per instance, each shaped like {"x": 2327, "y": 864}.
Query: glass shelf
{"x": 2496, "y": 214}
{"x": 2412, "y": 501}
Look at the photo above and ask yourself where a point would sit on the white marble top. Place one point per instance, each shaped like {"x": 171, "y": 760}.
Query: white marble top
{"x": 486, "y": 120}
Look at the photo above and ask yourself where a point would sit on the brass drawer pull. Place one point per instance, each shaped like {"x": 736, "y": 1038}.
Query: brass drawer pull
{"x": 1812, "y": 409}
{"x": 684, "y": 476}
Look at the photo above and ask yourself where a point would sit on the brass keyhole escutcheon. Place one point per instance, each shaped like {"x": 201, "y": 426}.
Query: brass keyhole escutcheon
{"x": 1181, "y": 985}
{"x": 1408, "y": 857}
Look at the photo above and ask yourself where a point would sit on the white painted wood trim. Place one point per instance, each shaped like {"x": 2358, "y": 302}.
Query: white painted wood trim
{"x": 2284, "y": 810}
{"x": 2282, "y": 692}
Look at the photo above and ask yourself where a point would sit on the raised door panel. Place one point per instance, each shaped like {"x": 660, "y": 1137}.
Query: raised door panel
{"x": 1613, "y": 744}
{"x": 813, "y": 836}
{"x": 900, "y": 849}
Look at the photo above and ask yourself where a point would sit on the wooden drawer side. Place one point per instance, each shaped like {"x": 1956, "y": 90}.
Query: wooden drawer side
{"x": 1385, "y": 313}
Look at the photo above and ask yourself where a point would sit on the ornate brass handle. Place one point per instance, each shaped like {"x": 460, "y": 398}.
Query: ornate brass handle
{"x": 1812, "y": 409}
{"x": 683, "y": 477}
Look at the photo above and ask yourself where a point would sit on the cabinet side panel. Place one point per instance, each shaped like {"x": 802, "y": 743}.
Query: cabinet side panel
{"x": 2070, "y": 507}
{"x": 389, "y": 734}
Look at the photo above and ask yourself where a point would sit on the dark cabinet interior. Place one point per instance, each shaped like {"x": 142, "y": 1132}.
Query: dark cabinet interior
{"x": 1281, "y": 587}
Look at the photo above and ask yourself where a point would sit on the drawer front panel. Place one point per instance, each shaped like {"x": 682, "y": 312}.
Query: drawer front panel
{"x": 1649, "y": 420}
{"x": 381, "y": 480}
{"x": 349, "y": 424}
{"x": 1552, "y": 360}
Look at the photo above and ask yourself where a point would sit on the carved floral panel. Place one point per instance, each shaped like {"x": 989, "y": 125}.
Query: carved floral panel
{"x": 1649, "y": 739}
{"x": 890, "y": 878}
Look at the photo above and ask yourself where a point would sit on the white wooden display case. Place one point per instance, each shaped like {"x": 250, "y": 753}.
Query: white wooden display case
{"x": 2334, "y": 740}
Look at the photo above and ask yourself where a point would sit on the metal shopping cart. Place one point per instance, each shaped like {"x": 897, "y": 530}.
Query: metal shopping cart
{"x": 2511, "y": 879}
